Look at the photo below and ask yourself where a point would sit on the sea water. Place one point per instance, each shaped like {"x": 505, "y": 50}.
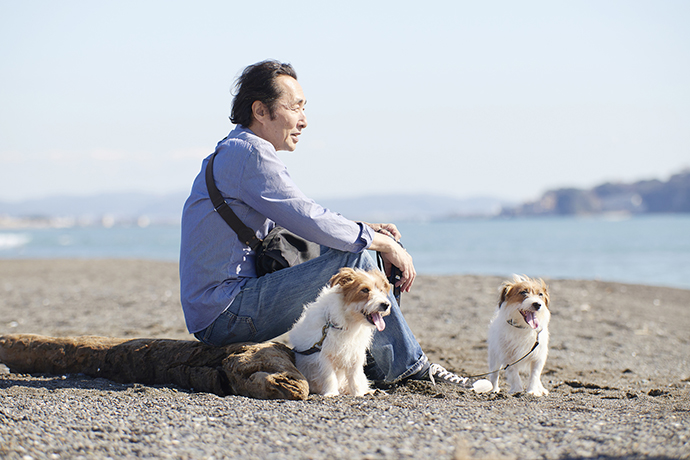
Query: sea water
{"x": 650, "y": 249}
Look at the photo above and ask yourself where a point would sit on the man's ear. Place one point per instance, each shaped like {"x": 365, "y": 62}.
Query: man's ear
{"x": 259, "y": 110}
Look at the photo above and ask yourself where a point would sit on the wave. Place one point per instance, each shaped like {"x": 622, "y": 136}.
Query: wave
{"x": 13, "y": 240}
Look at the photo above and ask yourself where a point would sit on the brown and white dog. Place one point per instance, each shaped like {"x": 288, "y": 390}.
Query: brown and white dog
{"x": 331, "y": 337}
{"x": 521, "y": 319}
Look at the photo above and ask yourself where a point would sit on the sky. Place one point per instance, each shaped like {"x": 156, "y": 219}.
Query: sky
{"x": 460, "y": 98}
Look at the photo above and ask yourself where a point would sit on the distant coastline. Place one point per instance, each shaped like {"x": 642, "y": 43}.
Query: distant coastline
{"x": 145, "y": 209}
{"x": 642, "y": 197}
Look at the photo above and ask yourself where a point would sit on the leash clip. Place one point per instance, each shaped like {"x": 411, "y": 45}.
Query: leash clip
{"x": 317, "y": 346}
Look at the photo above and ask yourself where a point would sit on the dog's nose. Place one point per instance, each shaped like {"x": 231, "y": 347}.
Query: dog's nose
{"x": 383, "y": 306}
{"x": 536, "y": 305}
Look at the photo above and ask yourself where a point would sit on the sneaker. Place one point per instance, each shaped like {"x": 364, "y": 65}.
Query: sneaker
{"x": 438, "y": 372}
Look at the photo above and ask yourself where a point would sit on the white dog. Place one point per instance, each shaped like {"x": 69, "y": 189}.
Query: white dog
{"x": 331, "y": 337}
{"x": 521, "y": 320}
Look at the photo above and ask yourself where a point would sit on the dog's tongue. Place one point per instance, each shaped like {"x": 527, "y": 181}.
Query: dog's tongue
{"x": 530, "y": 319}
{"x": 378, "y": 321}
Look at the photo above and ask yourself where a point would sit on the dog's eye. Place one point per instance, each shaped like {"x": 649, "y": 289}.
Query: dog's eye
{"x": 525, "y": 293}
{"x": 365, "y": 291}
{"x": 541, "y": 294}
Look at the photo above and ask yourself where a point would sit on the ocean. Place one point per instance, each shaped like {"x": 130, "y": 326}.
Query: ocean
{"x": 649, "y": 249}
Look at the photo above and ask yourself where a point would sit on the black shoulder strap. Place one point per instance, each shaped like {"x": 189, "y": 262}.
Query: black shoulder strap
{"x": 244, "y": 233}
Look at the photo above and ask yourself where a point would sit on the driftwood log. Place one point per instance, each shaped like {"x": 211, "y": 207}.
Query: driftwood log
{"x": 257, "y": 370}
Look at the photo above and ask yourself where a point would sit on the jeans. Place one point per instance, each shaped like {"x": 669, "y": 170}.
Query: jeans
{"x": 268, "y": 306}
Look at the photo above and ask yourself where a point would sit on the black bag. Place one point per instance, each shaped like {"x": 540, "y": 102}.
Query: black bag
{"x": 280, "y": 249}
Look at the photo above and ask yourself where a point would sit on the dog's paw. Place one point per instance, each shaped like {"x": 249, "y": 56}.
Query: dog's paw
{"x": 538, "y": 391}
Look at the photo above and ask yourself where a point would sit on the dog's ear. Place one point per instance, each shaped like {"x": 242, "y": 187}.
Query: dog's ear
{"x": 344, "y": 277}
{"x": 504, "y": 289}
{"x": 547, "y": 298}
{"x": 520, "y": 278}
{"x": 382, "y": 279}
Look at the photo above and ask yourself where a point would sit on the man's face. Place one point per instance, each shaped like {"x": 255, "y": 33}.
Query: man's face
{"x": 284, "y": 128}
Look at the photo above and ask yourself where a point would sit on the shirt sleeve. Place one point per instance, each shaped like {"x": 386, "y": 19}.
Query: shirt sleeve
{"x": 267, "y": 187}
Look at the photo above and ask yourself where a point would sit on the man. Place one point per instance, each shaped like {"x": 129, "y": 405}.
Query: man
{"x": 223, "y": 300}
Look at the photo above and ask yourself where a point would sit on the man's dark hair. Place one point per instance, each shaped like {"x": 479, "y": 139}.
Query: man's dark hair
{"x": 258, "y": 83}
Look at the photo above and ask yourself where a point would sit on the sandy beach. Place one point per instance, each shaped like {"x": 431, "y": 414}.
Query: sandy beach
{"x": 618, "y": 374}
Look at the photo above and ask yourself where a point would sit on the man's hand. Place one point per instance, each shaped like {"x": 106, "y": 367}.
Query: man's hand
{"x": 386, "y": 229}
{"x": 395, "y": 254}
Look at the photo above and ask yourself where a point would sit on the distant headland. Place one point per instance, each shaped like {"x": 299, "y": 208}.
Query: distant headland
{"x": 642, "y": 197}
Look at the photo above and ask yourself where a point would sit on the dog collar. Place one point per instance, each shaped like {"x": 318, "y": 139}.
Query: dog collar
{"x": 317, "y": 346}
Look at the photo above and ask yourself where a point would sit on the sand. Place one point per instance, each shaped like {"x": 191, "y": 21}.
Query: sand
{"x": 618, "y": 374}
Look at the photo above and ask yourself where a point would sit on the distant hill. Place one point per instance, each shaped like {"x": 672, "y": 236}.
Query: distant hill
{"x": 97, "y": 209}
{"x": 648, "y": 196}
{"x": 146, "y": 209}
